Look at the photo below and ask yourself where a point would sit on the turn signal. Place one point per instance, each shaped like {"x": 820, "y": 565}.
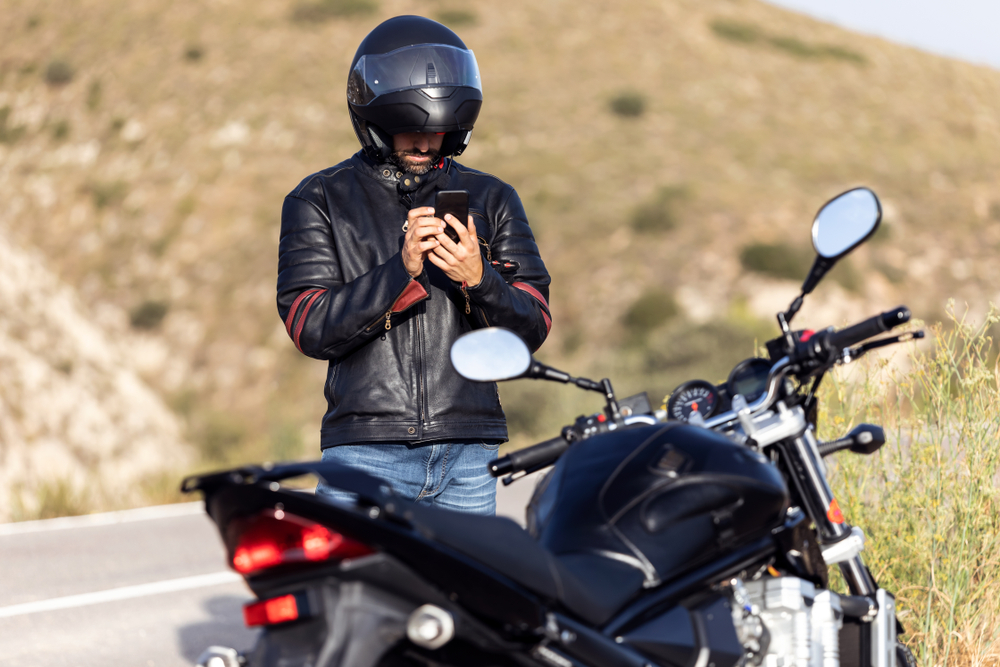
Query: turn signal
{"x": 275, "y": 537}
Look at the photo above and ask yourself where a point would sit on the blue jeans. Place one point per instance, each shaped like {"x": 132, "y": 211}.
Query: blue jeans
{"x": 450, "y": 475}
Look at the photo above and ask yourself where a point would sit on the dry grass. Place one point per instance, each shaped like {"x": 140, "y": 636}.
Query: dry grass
{"x": 929, "y": 501}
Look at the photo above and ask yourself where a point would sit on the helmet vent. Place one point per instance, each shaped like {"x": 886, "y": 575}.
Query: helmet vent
{"x": 432, "y": 76}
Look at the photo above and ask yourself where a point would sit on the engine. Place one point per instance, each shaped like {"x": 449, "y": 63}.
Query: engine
{"x": 786, "y": 622}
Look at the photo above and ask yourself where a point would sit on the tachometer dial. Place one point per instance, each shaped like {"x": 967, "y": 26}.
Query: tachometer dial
{"x": 695, "y": 396}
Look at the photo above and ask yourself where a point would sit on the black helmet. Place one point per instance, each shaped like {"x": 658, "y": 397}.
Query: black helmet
{"x": 412, "y": 74}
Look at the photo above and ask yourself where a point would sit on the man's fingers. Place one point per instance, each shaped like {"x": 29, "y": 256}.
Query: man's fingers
{"x": 420, "y": 212}
{"x": 460, "y": 229}
{"x": 446, "y": 255}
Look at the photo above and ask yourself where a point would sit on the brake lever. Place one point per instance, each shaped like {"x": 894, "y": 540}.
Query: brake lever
{"x": 855, "y": 352}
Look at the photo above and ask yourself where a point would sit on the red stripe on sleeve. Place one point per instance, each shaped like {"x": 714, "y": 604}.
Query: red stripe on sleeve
{"x": 295, "y": 306}
{"x": 305, "y": 313}
{"x": 525, "y": 287}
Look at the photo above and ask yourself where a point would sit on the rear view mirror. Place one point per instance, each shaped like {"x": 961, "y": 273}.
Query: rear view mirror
{"x": 841, "y": 225}
{"x": 844, "y": 222}
{"x": 490, "y": 355}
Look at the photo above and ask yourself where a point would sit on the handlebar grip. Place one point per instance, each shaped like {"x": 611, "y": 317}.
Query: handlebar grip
{"x": 535, "y": 456}
{"x": 870, "y": 327}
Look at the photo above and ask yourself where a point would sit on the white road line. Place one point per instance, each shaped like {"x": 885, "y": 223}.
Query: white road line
{"x": 103, "y": 519}
{"x": 123, "y": 593}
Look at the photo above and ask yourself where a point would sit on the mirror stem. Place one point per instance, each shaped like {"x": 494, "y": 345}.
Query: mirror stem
{"x": 609, "y": 394}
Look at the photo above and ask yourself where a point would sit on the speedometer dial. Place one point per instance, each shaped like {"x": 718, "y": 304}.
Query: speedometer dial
{"x": 695, "y": 396}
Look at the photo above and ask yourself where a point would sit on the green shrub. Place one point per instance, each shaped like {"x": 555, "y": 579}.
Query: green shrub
{"x": 60, "y": 130}
{"x": 747, "y": 33}
{"x": 58, "y": 73}
{"x": 108, "y": 193}
{"x": 194, "y": 53}
{"x": 778, "y": 260}
{"x": 148, "y": 314}
{"x": 324, "y": 10}
{"x": 455, "y": 18}
{"x": 628, "y": 104}
{"x": 8, "y": 133}
{"x": 94, "y": 93}
{"x": 653, "y": 308}
{"x": 659, "y": 212}
{"x": 735, "y": 31}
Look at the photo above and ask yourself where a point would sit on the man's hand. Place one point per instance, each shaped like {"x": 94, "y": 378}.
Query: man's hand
{"x": 460, "y": 261}
{"x": 422, "y": 230}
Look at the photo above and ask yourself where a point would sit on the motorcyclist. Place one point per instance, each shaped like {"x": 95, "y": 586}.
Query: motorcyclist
{"x": 368, "y": 280}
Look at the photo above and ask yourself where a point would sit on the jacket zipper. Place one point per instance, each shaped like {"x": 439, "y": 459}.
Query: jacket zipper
{"x": 465, "y": 288}
{"x": 387, "y": 318}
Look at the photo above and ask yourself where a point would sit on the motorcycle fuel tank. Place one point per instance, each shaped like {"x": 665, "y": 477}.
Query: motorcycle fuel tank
{"x": 664, "y": 499}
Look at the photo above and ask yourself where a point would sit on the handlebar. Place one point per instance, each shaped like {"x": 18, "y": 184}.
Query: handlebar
{"x": 870, "y": 327}
{"x": 825, "y": 347}
{"x": 536, "y": 456}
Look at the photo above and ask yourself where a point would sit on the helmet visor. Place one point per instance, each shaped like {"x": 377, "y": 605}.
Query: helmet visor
{"x": 422, "y": 66}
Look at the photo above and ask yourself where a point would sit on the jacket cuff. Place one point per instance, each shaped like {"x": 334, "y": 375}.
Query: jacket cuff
{"x": 415, "y": 291}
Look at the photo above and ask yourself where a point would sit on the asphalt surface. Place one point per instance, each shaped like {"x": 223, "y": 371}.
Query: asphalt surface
{"x": 144, "y": 588}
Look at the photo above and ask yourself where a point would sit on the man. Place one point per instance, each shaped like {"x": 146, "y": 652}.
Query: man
{"x": 368, "y": 280}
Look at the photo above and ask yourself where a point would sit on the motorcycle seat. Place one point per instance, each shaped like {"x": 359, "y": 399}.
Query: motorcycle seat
{"x": 587, "y": 585}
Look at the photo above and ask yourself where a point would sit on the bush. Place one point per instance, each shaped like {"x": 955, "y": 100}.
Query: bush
{"x": 455, "y": 18}
{"x": 928, "y": 501}
{"x": 324, "y": 10}
{"x": 735, "y": 31}
{"x": 653, "y": 308}
{"x": 8, "y": 133}
{"x": 628, "y": 104}
{"x": 60, "y": 130}
{"x": 94, "y": 93}
{"x": 778, "y": 260}
{"x": 58, "y": 73}
{"x": 194, "y": 53}
{"x": 747, "y": 33}
{"x": 148, "y": 315}
{"x": 111, "y": 193}
{"x": 659, "y": 212}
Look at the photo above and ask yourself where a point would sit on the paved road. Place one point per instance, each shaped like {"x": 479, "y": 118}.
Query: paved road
{"x": 143, "y": 588}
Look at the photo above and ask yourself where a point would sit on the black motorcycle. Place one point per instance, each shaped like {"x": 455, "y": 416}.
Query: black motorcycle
{"x": 695, "y": 536}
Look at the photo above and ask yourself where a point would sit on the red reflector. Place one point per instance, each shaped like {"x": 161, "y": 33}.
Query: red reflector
{"x": 601, "y": 418}
{"x": 269, "y": 612}
{"x": 806, "y": 335}
{"x": 275, "y": 537}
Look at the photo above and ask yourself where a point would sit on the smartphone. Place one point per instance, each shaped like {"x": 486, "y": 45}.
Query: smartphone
{"x": 455, "y": 202}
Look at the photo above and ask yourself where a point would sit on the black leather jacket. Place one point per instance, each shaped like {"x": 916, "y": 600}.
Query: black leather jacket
{"x": 345, "y": 296}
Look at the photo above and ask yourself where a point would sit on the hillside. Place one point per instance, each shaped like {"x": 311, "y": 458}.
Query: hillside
{"x": 668, "y": 153}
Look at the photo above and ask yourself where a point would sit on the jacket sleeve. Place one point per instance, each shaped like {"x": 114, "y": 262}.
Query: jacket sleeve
{"x": 325, "y": 316}
{"x": 519, "y": 298}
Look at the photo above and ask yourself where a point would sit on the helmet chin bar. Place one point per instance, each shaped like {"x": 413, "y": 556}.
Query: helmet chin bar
{"x": 378, "y": 145}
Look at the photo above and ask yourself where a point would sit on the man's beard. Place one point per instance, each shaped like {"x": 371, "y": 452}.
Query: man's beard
{"x": 399, "y": 159}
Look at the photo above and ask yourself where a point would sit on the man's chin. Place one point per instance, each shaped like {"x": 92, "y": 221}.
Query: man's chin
{"x": 417, "y": 167}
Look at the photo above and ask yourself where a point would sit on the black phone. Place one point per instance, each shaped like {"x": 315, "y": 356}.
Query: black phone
{"x": 455, "y": 202}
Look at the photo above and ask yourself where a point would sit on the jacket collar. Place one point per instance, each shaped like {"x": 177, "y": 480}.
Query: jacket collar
{"x": 388, "y": 172}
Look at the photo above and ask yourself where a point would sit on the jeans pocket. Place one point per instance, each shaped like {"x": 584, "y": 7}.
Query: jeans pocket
{"x": 490, "y": 446}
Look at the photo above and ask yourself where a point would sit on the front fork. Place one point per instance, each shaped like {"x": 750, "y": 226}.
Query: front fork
{"x": 809, "y": 474}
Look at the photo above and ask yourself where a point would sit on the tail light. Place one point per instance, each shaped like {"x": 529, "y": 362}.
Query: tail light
{"x": 276, "y": 610}
{"x": 275, "y": 537}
